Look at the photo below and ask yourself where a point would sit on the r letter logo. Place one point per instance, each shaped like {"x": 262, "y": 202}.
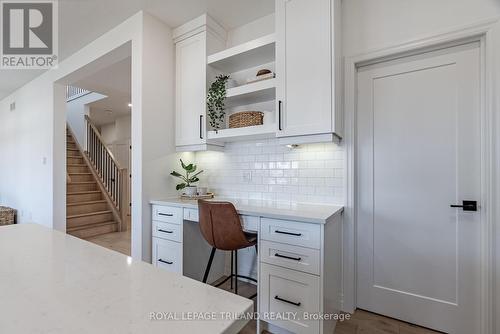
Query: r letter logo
{"x": 29, "y": 34}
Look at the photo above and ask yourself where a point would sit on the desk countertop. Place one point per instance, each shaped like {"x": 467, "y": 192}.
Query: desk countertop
{"x": 51, "y": 282}
{"x": 310, "y": 213}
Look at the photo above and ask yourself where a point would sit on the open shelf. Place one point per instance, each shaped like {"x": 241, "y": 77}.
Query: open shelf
{"x": 246, "y": 133}
{"x": 254, "y": 92}
{"x": 247, "y": 55}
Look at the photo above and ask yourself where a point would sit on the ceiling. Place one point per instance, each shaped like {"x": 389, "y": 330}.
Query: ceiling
{"x": 82, "y": 21}
{"x": 114, "y": 82}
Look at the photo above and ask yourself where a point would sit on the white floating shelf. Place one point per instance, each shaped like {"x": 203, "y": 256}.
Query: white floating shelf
{"x": 246, "y": 133}
{"x": 247, "y": 55}
{"x": 254, "y": 92}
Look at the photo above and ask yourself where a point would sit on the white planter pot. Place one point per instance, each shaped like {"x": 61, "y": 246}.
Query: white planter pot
{"x": 191, "y": 191}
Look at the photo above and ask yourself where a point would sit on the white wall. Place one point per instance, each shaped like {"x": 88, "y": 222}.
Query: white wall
{"x": 374, "y": 24}
{"x": 26, "y": 152}
{"x": 120, "y": 130}
{"x": 76, "y": 110}
{"x": 155, "y": 124}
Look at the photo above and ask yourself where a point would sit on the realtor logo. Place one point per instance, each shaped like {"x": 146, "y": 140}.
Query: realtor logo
{"x": 29, "y": 34}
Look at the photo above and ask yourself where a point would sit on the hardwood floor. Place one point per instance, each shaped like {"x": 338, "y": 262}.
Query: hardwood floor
{"x": 118, "y": 241}
{"x": 361, "y": 322}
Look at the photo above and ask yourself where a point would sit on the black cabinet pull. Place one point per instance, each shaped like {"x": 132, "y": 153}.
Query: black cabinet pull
{"x": 165, "y": 231}
{"x": 163, "y": 261}
{"x": 288, "y": 257}
{"x": 165, "y": 214}
{"x": 279, "y": 115}
{"x": 201, "y": 124}
{"x": 466, "y": 205}
{"x": 288, "y": 233}
{"x": 286, "y": 301}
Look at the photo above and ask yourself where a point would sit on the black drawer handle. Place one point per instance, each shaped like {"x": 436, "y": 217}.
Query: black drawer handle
{"x": 288, "y": 257}
{"x": 288, "y": 233}
{"x": 165, "y": 214}
{"x": 163, "y": 261}
{"x": 286, "y": 301}
{"x": 165, "y": 231}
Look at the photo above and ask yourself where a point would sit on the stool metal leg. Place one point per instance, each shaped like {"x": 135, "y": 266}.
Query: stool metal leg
{"x": 236, "y": 272}
{"x": 232, "y": 269}
{"x": 209, "y": 264}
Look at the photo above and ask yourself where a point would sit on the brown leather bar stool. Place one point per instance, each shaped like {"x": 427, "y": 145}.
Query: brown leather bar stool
{"x": 221, "y": 227}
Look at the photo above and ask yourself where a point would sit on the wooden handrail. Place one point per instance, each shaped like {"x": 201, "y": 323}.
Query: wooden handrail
{"x": 98, "y": 134}
{"x": 109, "y": 171}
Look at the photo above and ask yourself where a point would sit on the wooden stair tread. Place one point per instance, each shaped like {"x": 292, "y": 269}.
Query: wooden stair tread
{"x": 89, "y": 214}
{"x": 76, "y": 165}
{"x": 86, "y": 203}
{"x": 84, "y": 192}
{"x": 83, "y": 182}
{"x": 75, "y": 173}
{"x": 88, "y": 226}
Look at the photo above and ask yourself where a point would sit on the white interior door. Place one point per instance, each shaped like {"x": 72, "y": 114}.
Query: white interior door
{"x": 419, "y": 151}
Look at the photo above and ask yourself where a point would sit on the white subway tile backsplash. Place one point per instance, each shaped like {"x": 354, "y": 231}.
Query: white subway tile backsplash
{"x": 265, "y": 170}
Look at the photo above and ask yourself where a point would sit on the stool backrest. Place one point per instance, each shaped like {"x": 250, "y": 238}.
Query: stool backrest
{"x": 220, "y": 225}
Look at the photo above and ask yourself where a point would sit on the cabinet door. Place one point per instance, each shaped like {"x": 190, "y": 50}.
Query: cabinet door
{"x": 191, "y": 59}
{"x": 304, "y": 66}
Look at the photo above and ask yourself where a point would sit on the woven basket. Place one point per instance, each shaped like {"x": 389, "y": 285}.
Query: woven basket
{"x": 246, "y": 118}
{"x": 7, "y": 216}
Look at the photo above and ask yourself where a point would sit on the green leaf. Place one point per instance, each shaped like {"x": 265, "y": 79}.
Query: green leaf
{"x": 174, "y": 173}
{"x": 182, "y": 164}
{"x": 180, "y": 186}
{"x": 201, "y": 171}
{"x": 190, "y": 168}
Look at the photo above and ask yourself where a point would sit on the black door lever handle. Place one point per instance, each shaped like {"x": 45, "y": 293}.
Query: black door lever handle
{"x": 466, "y": 205}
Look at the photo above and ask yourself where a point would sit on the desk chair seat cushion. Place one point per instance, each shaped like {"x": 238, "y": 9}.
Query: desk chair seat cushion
{"x": 221, "y": 226}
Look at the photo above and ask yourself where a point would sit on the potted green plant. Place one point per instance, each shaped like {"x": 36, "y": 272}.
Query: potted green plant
{"x": 215, "y": 101}
{"x": 188, "y": 179}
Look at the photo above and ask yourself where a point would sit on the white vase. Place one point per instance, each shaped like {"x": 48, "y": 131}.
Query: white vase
{"x": 191, "y": 191}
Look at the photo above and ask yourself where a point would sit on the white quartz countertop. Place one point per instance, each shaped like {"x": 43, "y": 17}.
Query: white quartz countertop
{"x": 310, "y": 213}
{"x": 51, "y": 282}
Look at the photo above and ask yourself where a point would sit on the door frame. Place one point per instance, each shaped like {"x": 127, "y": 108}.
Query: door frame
{"x": 487, "y": 33}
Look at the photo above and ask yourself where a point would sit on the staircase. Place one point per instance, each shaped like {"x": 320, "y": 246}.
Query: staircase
{"x": 88, "y": 211}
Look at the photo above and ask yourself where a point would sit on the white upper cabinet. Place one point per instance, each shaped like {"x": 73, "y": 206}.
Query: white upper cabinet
{"x": 307, "y": 59}
{"x": 193, "y": 41}
{"x": 190, "y": 90}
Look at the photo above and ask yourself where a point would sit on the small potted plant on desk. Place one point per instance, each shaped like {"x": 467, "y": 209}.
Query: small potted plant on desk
{"x": 188, "y": 179}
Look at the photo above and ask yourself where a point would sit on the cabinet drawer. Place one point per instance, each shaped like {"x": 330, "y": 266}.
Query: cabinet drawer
{"x": 167, "y": 214}
{"x": 250, "y": 223}
{"x": 290, "y": 232}
{"x": 191, "y": 215}
{"x": 167, "y": 255}
{"x": 291, "y": 257}
{"x": 167, "y": 231}
{"x": 285, "y": 290}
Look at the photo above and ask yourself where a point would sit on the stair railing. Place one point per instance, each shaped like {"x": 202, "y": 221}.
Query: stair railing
{"x": 112, "y": 176}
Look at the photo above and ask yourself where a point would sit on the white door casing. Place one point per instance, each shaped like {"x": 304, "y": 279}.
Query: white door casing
{"x": 418, "y": 152}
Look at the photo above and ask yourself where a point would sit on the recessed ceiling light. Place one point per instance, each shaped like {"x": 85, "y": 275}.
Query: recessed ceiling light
{"x": 130, "y": 105}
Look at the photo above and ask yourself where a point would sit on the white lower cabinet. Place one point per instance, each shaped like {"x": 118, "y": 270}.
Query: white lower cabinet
{"x": 300, "y": 273}
{"x": 167, "y": 255}
{"x": 290, "y": 292}
{"x": 299, "y": 265}
{"x": 292, "y": 257}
